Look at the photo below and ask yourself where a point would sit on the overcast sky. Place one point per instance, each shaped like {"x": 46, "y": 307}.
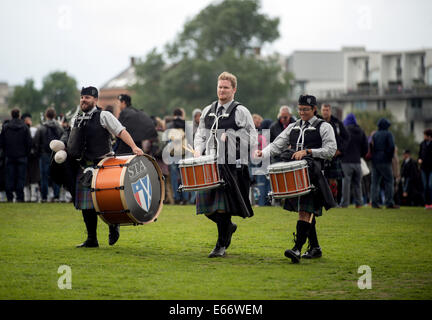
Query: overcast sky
{"x": 92, "y": 40}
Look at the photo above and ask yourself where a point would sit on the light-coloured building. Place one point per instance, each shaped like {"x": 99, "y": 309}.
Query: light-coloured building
{"x": 356, "y": 79}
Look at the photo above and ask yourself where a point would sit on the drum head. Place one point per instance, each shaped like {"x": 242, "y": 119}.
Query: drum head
{"x": 144, "y": 189}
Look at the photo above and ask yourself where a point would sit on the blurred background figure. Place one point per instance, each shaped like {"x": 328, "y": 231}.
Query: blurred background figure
{"x": 31, "y": 189}
{"x": 284, "y": 118}
{"x": 425, "y": 161}
{"x": 356, "y": 148}
{"x": 49, "y": 130}
{"x": 16, "y": 142}
{"x": 410, "y": 185}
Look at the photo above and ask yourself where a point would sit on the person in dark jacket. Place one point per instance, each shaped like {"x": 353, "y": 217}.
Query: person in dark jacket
{"x": 356, "y": 148}
{"x": 31, "y": 189}
{"x": 48, "y": 131}
{"x": 383, "y": 148}
{"x": 333, "y": 168}
{"x": 410, "y": 185}
{"x": 425, "y": 161}
{"x": 16, "y": 141}
{"x": 284, "y": 118}
{"x": 137, "y": 123}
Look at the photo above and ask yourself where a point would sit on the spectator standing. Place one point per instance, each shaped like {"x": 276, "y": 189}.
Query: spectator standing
{"x": 357, "y": 148}
{"x": 410, "y": 186}
{"x": 31, "y": 189}
{"x": 16, "y": 141}
{"x": 137, "y": 123}
{"x": 333, "y": 168}
{"x": 425, "y": 161}
{"x": 383, "y": 149}
{"x": 176, "y": 133}
{"x": 48, "y": 131}
{"x": 284, "y": 118}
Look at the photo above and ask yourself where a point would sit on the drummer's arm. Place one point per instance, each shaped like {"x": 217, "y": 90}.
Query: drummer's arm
{"x": 126, "y": 137}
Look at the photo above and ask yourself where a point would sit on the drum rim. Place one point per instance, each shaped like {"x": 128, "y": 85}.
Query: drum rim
{"x": 188, "y": 162}
{"x": 287, "y": 166}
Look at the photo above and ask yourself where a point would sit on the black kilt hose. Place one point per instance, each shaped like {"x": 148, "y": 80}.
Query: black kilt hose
{"x": 232, "y": 198}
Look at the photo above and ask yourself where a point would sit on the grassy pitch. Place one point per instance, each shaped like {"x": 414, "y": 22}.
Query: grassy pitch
{"x": 168, "y": 259}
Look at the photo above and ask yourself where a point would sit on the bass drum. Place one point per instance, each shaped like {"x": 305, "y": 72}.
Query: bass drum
{"x": 128, "y": 190}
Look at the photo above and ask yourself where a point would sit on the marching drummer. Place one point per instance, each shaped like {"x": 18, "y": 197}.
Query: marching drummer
{"x": 313, "y": 140}
{"x": 89, "y": 142}
{"x": 235, "y": 120}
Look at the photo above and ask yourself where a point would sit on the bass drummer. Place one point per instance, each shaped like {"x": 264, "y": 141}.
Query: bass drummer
{"x": 313, "y": 140}
{"x": 239, "y": 133}
{"x": 90, "y": 141}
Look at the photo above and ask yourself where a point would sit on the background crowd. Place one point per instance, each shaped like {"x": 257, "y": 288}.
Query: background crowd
{"x": 365, "y": 170}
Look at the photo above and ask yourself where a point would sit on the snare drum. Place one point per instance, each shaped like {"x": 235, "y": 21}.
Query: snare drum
{"x": 289, "y": 179}
{"x": 128, "y": 190}
{"x": 200, "y": 173}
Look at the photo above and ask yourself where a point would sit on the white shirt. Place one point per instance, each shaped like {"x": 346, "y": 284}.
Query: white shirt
{"x": 281, "y": 143}
{"x": 247, "y": 132}
{"x": 107, "y": 120}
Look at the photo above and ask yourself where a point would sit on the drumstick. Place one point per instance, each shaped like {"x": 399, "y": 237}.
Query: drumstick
{"x": 190, "y": 147}
{"x": 311, "y": 218}
{"x": 187, "y": 149}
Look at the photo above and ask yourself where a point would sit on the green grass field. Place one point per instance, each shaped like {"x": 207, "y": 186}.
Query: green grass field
{"x": 168, "y": 259}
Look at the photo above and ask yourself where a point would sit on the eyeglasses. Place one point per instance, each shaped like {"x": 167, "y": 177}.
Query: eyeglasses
{"x": 304, "y": 109}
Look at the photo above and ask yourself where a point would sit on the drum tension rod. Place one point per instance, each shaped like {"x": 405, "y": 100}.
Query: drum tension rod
{"x": 114, "y": 212}
{"x": 115, "y": 188}
{"x": 121, "y": 165}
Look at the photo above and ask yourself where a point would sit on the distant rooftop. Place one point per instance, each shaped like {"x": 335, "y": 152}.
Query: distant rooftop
{"x": 125, "y": 79}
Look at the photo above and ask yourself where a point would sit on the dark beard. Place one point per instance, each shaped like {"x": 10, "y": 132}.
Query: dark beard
{"x": 87, "y": 107}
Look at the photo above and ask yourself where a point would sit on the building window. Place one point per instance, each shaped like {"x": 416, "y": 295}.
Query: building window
{"x": 416, "y": 104}
{"x": 360, "y": 105}
{"x": 412, "y": 126}
{"x": 429, "y": 76}
{"x": 381, "y": 105}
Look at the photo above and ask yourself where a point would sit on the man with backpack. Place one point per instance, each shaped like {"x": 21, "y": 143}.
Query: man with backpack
{"x": 48, "y": 131}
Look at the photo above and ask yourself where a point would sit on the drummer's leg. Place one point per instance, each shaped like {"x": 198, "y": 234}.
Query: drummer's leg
{"x": 302, "y": 231}
{"x": 90, "y": 220}
{"x": 225, "y": 230}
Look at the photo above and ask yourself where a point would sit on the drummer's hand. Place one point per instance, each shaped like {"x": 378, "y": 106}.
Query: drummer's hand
{"x": 258, "y": 153}
{"x": 299, "y": 155}
{"x": 137, "y": 151}
{"x": 197, "y": 154}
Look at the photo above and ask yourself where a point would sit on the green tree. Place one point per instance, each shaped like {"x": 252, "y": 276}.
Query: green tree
{"x": 222, "y": 37}
{"x": 27, "y": 98}
{"x": 148, "y": 91}
{"x": 60, "y": 91}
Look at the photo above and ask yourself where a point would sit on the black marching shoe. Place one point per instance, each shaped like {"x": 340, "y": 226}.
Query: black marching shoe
{"x": 114, "y": 234}
{"x": 231, "y": 230}
{"x": 89, "y": 243}
{"x": 218, "y": 251}
{"x": 294, "y": 254}
{"x": 312, "y": 253}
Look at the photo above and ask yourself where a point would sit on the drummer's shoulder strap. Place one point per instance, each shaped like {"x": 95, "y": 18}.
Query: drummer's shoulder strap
{"x": 232, "y": 106}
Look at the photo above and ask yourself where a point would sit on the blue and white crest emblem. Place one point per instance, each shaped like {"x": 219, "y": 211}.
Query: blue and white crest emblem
{"x": 142, "y": 191}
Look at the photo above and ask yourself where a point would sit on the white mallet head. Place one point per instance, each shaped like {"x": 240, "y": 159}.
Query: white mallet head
{"x": 60, "y": 156}
{"x": 56, "y": 145}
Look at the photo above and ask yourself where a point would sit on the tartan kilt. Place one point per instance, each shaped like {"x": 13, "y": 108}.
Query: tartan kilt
{"x": 83, "y": 197}
{"x": 306, "y": 203}
{"x": 333, "y": 169}
{"x": 211, "y": 201}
